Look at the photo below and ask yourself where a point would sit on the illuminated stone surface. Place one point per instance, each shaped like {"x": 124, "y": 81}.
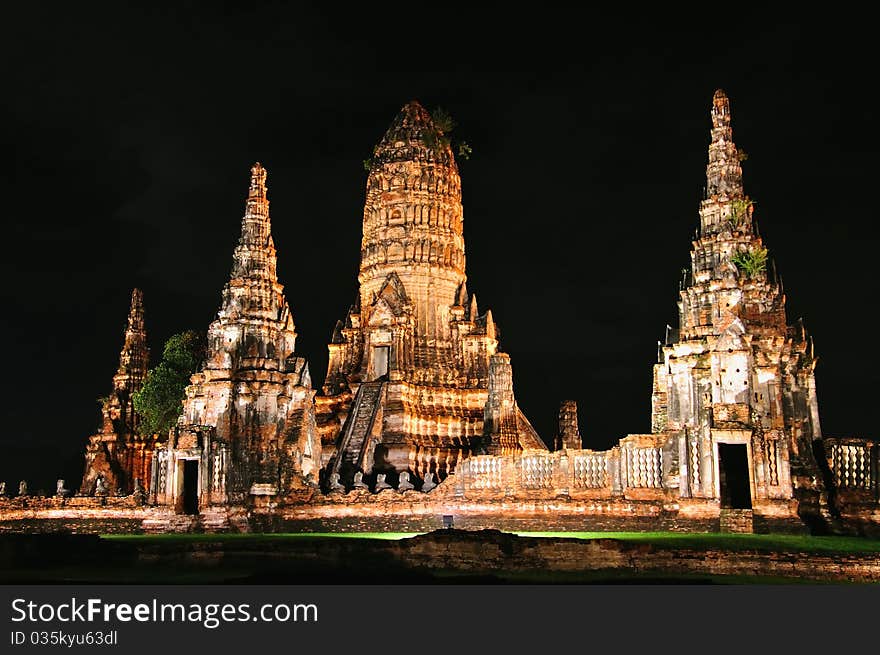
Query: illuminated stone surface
{"x": 734, "y": 372}
{"x": 418, "y": 419}
{"x": 415, "y": 382}
{"x": 247, "y": 419}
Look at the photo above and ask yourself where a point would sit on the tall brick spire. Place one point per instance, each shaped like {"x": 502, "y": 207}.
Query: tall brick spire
{"x": 254, "y": 257}
{"x": 727, "y": 227}
{"x": 253, "y": 291}
{"x": 713, "y": 294}
{"x": 250, "y": 401}
{"x": 723, "y": 174}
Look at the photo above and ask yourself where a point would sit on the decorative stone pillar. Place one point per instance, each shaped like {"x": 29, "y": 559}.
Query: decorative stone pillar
{"x": 511, "y": 475}
{"x": 562, "y": 474}
{"x": 615, "y": 470}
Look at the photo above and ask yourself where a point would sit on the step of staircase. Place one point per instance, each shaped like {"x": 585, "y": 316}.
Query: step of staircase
{"x": 737, "y": 521}
{"x": 214, "y": 520}
{"x": 238, "y": 521}
{"x": 169, "y": 522}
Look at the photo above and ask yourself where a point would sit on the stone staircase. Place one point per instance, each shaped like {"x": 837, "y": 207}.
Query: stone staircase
{"x": 170, "y": 522}
{"x": 359, "y": 424}
{"x": 737, "y": 520}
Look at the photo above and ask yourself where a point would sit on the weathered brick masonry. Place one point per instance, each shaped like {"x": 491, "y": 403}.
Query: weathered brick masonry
{"x": 418, "y": 419}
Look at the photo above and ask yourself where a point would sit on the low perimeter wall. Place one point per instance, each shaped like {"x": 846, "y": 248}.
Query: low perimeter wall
{"x": 386, "y": 511}
{"x": 78, "y": 515}
{"x": 629, "y": 488}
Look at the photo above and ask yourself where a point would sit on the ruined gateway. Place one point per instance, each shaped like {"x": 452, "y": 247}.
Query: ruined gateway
{"x": 418, "y": 419}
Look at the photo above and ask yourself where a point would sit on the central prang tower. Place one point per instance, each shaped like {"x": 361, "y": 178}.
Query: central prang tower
{"x": 414, "y": 380}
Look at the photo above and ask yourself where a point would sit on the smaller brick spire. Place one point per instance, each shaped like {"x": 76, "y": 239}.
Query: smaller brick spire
{"x": 568, "y": 436}
{"x": 256, "y": 227}
{"x": 253, "y": 292}
{"x": 134, "y": 356}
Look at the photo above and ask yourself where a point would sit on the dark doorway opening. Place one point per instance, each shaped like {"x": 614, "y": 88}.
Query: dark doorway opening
{"x": 191, "y": 486}
{"x": 733, "y": 469}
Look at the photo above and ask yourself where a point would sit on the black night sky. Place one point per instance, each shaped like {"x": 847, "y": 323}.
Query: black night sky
{"x": 128, "y": 135}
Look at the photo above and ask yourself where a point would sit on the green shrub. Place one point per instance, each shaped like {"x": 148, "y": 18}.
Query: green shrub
{"x": 160, "y": 400}
{"x": 751, "y": 262}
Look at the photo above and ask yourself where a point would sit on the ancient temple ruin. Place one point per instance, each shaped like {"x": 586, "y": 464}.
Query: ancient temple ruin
{"x": 247, "y": 428}
{"x": 417, "y": 422}
{"x": 118, "y": 455}
{"x": 415, "y": 380}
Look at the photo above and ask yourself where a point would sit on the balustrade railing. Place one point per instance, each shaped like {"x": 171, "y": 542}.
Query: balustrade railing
{"x": 852, "y": 464}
